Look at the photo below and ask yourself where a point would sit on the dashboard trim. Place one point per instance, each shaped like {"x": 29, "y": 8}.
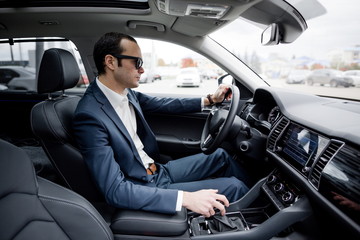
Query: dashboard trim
{"x": 309, "y": 127}
{"x": 312, "y": 193}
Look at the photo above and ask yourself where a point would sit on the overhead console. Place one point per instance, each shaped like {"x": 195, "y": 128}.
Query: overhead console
{"x": 213, "y": 14}
{"x": 191, "y": 8}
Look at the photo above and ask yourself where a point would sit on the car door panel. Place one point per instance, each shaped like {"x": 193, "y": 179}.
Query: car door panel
{"x": 178, "y": 135}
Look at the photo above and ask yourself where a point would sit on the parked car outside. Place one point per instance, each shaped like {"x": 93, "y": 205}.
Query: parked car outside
{"x": 145, "y": 78}
{"x": 208, "y": 74}
{"x": 3, "y": 87}
{"x": 332, "y": 77}
{"x": 354, "y": 75}
{"x": 18, "y": 78}
{"x": 149, "y": 77}
{"x": 188, "y": 77}
{"x": 298, "y": 76}
{"x": 156, "y": 76}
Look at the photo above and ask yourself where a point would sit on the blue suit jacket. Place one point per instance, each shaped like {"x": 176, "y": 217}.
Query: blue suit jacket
{"x": 111, "y": 155}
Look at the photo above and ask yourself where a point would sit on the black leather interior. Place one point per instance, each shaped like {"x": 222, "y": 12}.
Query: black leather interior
{"x": 58, "y": 71}
{"x": 34, "y": 208}
{"x": 148, "y": 223}
{"x": 51, "y": 122}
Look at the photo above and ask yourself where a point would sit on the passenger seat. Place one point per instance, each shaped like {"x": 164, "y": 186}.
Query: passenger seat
{"x": 34, "y": 208}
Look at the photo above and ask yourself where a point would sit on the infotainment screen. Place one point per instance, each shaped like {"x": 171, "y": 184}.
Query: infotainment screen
{"x": 299, "y": 145}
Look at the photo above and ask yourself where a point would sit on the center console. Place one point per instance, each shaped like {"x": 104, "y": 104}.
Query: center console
{"x": 267, "y": 210}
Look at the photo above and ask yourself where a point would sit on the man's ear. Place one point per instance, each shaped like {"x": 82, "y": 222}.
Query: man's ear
{"x": 110, "y": 62}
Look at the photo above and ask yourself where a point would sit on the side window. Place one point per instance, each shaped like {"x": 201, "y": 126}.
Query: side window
{"x": 20, "y": 59}
{"x": 173, "y": 69}
{"x": 6, "y": 75}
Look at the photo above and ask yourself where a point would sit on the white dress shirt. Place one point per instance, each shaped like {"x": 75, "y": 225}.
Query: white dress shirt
{"x": 125, "y": 111}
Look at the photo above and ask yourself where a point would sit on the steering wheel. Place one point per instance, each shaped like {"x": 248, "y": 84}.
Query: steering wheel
{"x": 218, "y": 123}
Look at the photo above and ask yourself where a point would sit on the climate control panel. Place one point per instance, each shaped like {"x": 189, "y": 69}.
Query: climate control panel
{"x": 280, "y": 190}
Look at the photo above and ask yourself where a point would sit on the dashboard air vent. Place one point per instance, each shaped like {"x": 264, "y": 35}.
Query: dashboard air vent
{"x": 276, "y": 132}
{"x": 323, "y": 159}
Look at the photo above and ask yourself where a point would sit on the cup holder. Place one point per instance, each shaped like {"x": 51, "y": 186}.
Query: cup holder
{"x": 255, "y": 216}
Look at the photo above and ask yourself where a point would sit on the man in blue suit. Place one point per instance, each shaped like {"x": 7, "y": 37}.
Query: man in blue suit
{"x": 121, "y": 150}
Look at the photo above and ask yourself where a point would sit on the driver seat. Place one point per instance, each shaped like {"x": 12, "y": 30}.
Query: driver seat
{"x": 51, "y": 122}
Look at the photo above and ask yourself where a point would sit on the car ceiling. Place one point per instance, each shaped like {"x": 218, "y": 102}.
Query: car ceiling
{"x": 57, "y": 18}
{"x": 83, "y": 21}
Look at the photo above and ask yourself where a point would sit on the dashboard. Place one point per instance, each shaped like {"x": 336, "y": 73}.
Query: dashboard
{"x": 316, "y": 141}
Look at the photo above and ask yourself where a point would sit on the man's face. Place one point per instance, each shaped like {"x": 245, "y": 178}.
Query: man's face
{"x": 126, "y": 74}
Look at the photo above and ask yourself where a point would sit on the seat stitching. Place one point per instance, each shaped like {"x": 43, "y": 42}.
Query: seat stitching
{"x": 50, "y": 199}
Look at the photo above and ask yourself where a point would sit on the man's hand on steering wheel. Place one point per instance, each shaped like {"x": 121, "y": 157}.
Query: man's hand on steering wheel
{"x": 222, "y": 93}
{"x": 219, "y": 121}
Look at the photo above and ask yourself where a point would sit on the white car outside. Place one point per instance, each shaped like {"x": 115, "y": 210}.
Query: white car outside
{"x": 298, "y": 76}
{"x": 354, "y": 75}
{"x": 188, "y": 77}
{"x": 18, "y": 78}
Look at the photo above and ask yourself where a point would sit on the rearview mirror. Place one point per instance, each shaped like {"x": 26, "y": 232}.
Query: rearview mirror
{"x": 270, "y": 35}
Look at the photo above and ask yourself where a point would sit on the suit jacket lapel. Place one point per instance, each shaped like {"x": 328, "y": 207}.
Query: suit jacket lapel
{"x": 111, "y": 113}
{"x": 146, "y": 135}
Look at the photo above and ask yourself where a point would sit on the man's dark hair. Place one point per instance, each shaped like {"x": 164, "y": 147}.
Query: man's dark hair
{"x": 109, "y": 43}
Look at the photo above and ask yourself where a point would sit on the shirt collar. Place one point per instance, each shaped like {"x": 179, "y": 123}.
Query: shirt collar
{"x": 114, "y": 98}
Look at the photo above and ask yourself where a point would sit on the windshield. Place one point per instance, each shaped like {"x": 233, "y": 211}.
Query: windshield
{"x": 332, "y": 41}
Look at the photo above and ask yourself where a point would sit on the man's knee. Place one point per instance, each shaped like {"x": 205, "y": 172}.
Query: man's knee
{"x": 236, "y": 189}
{"x": 237, "y": 184}
{"x": 221, "y": 152}
{"x": 222, "y": 155}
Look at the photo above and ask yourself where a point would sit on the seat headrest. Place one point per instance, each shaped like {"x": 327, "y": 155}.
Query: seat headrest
{"x": 58, "y": 71}
{"x": 17, "y": 173}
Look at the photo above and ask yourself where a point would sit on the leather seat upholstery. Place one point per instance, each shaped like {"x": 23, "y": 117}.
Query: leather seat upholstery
{"x": 34, "y": 208}
{"x": 51, "y": 122}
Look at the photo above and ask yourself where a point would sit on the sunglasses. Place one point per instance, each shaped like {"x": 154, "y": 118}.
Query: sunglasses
{"x": 138, "y": 62}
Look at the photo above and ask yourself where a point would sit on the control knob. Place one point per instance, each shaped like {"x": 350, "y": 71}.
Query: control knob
{"x": 279, "y": 187}
{"x": 288, "y": 197}
{"x": 272, "y": 179}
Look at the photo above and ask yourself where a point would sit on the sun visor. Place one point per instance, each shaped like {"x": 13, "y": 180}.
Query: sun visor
{"x": 200, "y": 27}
